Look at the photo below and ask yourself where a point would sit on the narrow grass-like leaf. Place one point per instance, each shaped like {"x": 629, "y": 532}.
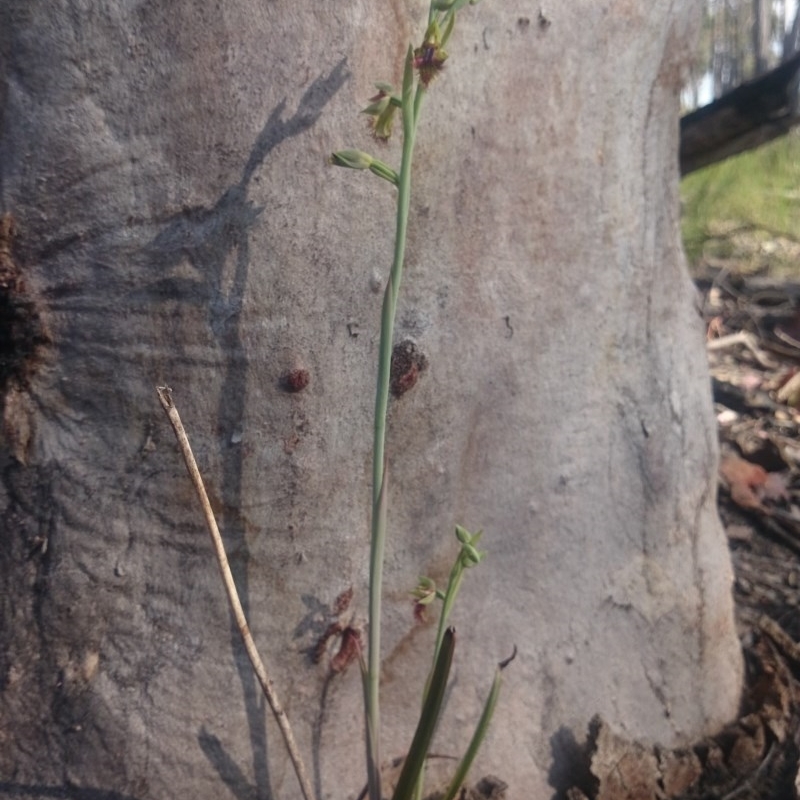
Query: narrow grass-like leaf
{"x": 480, "y": 731}
{"x": 373, "y": 764}
{"x": 426, "y": 726}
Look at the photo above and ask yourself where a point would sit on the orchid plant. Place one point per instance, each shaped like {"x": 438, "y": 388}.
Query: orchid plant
{"x": 422, "y": 65}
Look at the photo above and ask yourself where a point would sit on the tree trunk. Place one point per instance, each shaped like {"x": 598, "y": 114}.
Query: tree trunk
{"x": 762, "y": 15}
{"x": 792, "y": 38}
{"x": 176, "y": 222}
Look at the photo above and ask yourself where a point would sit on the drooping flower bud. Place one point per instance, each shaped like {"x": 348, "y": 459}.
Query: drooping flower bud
{"x": 424, "y": 592}
{"x": 358, "y": 159}
{"x": 381, "y": 111}
{"x": 352, "y": 159}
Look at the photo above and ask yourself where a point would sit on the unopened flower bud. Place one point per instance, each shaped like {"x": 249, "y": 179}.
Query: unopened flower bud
{"x": 470, "y": 555}
{"x": 357, "y": 159}
{"x": 463, "y": 535}
{"x": 352, "y": 159}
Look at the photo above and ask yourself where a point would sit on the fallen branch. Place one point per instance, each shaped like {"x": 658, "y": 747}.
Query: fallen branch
{"x": 746, "y": 339}
{"x": 752, "y": 114}
{"x": 788, "y": 646}
{"x": 165, "y": 396}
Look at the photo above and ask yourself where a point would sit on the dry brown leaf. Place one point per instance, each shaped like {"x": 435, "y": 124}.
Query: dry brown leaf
{"x": 626, "y": 770}
{"x": 743, "y": 478}
{"x": 748, "y": 748}
{"x": 775, "y": 488}
{"x": 679, "y": 770}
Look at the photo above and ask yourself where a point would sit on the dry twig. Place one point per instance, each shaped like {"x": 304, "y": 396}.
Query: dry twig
{"x": 743, "y": 338}
{"x": 165, "y": 396}
{"x": 788, "y": 646}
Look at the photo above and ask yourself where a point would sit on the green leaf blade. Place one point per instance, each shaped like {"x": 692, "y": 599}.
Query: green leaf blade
{"x": 418, "y": 752}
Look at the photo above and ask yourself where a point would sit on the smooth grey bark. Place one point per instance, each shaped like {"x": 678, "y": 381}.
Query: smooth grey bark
{"x": 177, "y": 224}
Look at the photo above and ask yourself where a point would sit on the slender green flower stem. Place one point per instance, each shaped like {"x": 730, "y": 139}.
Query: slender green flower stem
{"x": 410, "y": 109}
{"x": 453, "y": 585}
{"x": 410, "y": 104}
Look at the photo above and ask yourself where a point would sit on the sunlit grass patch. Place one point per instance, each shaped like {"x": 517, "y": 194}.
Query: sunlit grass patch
{"x": 744, "y": 213}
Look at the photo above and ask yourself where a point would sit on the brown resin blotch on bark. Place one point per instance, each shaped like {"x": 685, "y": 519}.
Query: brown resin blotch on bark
{"x": 296, "y": 380}
{"x": 408, "y": 362}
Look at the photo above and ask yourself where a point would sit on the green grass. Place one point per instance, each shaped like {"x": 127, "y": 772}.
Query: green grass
{"x": 744, "y": 213}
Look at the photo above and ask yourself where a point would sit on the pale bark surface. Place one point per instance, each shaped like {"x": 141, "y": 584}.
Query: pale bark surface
{"x": 165, "y": 163}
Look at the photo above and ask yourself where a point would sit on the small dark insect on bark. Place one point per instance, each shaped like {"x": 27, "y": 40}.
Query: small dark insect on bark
{"x": 544, "y": 22}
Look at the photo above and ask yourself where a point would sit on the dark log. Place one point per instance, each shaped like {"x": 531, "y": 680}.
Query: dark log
{"x": 749, "y": 116}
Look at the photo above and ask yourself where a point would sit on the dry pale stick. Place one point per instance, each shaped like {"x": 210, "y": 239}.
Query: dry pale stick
{"x": 165, "y": 396}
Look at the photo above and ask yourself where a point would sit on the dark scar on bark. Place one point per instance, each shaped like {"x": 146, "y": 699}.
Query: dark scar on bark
{"x": 22, "y": 330}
